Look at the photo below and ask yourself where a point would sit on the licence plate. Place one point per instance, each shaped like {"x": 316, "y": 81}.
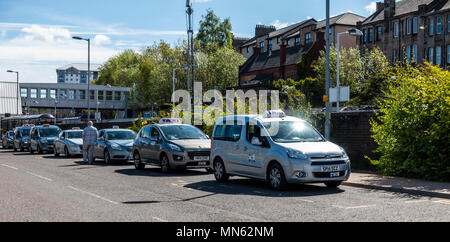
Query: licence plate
{"x": 330, "y": 168}
{"x": 202, "y": 163}
{"x": 201, "y": 158}
{"x": 334, "y": 174}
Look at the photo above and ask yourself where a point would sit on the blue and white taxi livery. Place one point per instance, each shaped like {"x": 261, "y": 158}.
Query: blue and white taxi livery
{"x": 42, "y": 138}
{"x": 114, "y": 144}
{"x": 69, "y": 143}
{"x": 276, "y": 148}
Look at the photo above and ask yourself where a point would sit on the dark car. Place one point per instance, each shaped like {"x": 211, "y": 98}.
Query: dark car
{"x": 8, "y": 140}
{"x": 22, "y": 138}
{"x": 114, "y": 145}
{"x": 43, "y": 138}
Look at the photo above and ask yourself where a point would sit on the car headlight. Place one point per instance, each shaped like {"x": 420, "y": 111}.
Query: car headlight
{"x": 295, "y": 154}
{"x": 44, "y": 141}
{"x": 344, "y": 154}
{"x": 116, "y": 147}
{"x": 175, "y": 147}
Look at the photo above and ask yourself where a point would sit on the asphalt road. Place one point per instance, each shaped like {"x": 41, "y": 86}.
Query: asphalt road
{"x": 46, "y": 188}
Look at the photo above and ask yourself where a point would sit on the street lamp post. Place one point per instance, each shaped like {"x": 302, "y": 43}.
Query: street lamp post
{"x": 89, "y": 73}
{"x": 327, "y": 72}
{"x": 56, "y": 102}
{"x": 18, "y": 93}
{"x": 352, "y": 32}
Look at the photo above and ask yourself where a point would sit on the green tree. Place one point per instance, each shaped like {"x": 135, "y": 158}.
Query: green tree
{"x": 213, "y": 32}
{"x": 413, "y": 132}
{"x": 120, "y": 70}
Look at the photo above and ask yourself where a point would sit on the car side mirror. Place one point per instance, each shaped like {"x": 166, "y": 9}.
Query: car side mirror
{"x": 256, "y": 141}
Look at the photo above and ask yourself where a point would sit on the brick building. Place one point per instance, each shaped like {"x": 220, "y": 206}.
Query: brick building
{"x": 412, "y": 30}
{"x": 273, "y": 54}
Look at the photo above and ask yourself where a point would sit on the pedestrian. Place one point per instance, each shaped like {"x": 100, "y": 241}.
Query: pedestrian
{"x": 89, "y": 141}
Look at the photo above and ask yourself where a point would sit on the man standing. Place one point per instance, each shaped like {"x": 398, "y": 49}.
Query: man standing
{"x": 89, "y": 140}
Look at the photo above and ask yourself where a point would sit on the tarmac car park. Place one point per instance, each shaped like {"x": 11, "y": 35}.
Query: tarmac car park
{"x": 69, "y": 143}
{"x": 276, "y": 148}
{"x": 171, "y": 145}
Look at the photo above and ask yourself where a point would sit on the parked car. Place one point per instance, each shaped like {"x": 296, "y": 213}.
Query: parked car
{"x": 114, "y": 145}
{"x": 8, "y": 140}
{"x": 43, "y": 138}
{"x": 171, "y": 145}
{"x": 276, "y": 148}
{"x": 22, "y": 138}
{"x": 69, "y": 143}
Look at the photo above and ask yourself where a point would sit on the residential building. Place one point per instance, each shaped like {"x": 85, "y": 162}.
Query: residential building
{"x": 77, "y": 73}
{"x": 411, "y": 30}
{"x": 275, "y": 54}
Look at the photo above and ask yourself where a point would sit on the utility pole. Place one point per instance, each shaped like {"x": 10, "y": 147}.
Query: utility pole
{"x": 327, "y": 73}
{"x": 190, "y": 55}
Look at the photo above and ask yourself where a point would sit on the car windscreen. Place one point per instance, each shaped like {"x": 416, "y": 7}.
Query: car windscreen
{"x": 120, "y": 135}
{"x": 292, "y": 132}
{"x": 25, "y": 132}
{"x": 182, "y": 132}
{"x": 49, "y": 132}
{"x": 75, "y": 135}
{"x": 10, "y": 134}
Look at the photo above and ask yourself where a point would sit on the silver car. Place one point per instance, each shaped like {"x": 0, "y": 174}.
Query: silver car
{"x": 69, "y": 143}
{"x": 278, "y": 149}
{"x": 172, "y": 146}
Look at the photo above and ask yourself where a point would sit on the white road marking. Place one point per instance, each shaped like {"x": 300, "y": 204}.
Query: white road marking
{"x": 12, "y": 167}
{"x": 417, "y": 201}
{"x": 308, "y": 201}
{"x": 39, "y": 176}
{"x": 443, "y": 201}
{"x": 159, "y": 219}
{"x": 356, "y": 207}
{"x": 93, "y": 195}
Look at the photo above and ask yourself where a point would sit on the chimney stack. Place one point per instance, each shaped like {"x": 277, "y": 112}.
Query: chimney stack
{"x": 389, "y": 9}
{"x": 380, "y": 5}
{"x": 261, "y": 30}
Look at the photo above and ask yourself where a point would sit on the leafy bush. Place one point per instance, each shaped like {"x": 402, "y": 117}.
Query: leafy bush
{"x": 413, "y": 132}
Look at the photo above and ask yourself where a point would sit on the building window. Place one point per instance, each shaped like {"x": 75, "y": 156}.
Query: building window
{"x": 261, "y": 47}
{"x": 395, "y": 56}
{"x": 408, "y": 26}
{"x": 448, "y": 24}
{"x": 415, "y": 25}
{"x": 396, "y": 30}
{"x": 415, "y": 53}
{"x": 431, "y": 26}
{"x": 438, "y": 55}
{"x": 23, "y": 92}
{"x": 278, "y": 40}
{"x": 307, "y": 38}
{"x": 72, "y": 94}
{"x": 370, "y": 35}
{"x": 117, "y": 96}
{"x": 43, "y": 93}
{"x": 109, "y": 95}
{"x": 289, "y": 42}
{"x": 53, "y": 93}
{"x": 438, "y": 25}
{"x": 248, "y": 49}
{"x": 431, "y": 55}
{"x": 62, "y": 94}
{"x": 101, "y": 95}
{"x": 270, "y": 44}
{"x": 92, "y": 94}
{"x": 448, "y": 54}
{"x": 82, "y": 94}
{"x": 365, "y": 36}
{"x": 408, "y": 53}
{"x": 379, "y": 32}
{"x": 297, "y": 41}
{"x": 33, "y": 93}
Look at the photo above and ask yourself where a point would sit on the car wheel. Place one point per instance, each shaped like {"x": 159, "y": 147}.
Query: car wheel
{"x": 276, "y": 177}
{"x": 31, "y": 150}
{"x": 165, "y": 166}
{"x": 334, "y": 184}
{"x": 39, "y": 150}
{"x": 219, "y": 171}
{"x": 138, "y": 162}
{"x": 66, "y": 152}
{"x": 107, "y": 157}
{"x": 21, "y": 148}
{"x": 14, "y": 148}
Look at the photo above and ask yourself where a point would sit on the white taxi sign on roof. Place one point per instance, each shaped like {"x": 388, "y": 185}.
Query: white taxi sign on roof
{"x": 76, "y": 128}
{"x": 116, "y": 127}
{"x": 28, "y": 125}
{"x": 274, "y": 114}
{"x": 170, "y": 121}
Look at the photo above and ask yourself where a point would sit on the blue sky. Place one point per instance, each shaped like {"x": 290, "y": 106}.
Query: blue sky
{"x": 35, "y": 36}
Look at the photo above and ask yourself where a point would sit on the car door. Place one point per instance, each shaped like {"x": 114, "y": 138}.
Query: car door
{"x": 154, "y": 145}
{"x": 34, "y": 139}
{"x": 100, "y": 144}
{"x": 254, "y": 154}
{"x": 144, "y": 143}
{"x": 232, "y": 147}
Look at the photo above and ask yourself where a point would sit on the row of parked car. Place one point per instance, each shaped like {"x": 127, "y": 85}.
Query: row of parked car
{"x": 272, "y": 147}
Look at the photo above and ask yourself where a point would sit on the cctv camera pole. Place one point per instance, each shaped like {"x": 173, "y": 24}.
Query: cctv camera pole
{"x": 327, "y": 72}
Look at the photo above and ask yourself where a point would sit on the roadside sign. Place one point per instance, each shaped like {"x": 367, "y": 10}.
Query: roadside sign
{"x": 345, "y": 94}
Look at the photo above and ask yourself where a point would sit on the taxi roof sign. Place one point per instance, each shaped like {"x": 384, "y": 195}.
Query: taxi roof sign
{"x": 28, "y": 125}
{"x": 274, "y": 114}
{"x": 170, "y": 121}
{"x": 76, "y": 128}
{"x": 116, "y": 127}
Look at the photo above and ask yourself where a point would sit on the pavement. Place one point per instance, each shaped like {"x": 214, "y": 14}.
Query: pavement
{"x": 41, "y": 188}
{"x": 398, "y": 184}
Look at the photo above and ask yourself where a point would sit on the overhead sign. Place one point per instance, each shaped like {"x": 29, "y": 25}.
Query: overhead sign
{"x": 345, "y": 94}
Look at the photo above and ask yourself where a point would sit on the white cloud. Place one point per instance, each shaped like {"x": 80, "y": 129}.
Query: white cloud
{"x": 101, "y": 39}
{"x": 279, "y": 25}
{"x": 36, "y": 32}
{"x": 371, "y": 8}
